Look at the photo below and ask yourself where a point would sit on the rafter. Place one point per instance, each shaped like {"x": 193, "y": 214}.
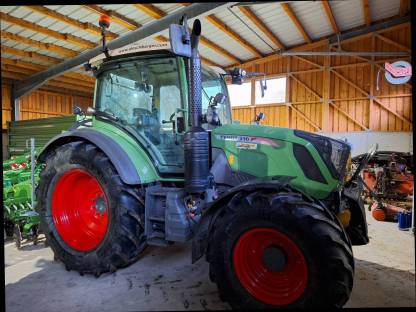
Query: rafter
{"x": 256, "y": 21}
{"x": 115, "y": 17}
{"x": 40, "y": 45}
{"x": 80, "y": 82}
{"x": 330, "y": 15}
{"x": 404, "y": 7}
{"x": 29, "y": 54}
{"x": 46, "y": 31}
{"x": 53, "y": 82}
{"x": 286, "y": 7}
{"x": 231, "y": 33}
{"x": 156, "y": 13}
{"x": 70, "y": 21}
{"x": 151, "y": 10}
{"x": 366, "y": 11}
{"x": 38, "y": 67}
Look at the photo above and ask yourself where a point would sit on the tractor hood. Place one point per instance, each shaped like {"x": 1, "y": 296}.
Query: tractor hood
{"x": 317, "y": 161}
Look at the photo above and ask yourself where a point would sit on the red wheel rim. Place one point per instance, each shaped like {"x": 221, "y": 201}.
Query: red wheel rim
{"x": 270, "y": 285}
{"x": 80, "y": 210}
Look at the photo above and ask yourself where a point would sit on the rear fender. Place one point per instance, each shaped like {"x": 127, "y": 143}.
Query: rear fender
{"x": 209, "y": 216}
{"x": 120, "y": 159}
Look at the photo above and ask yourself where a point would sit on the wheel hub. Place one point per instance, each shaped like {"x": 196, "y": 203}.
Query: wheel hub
{"x": 274, "y": 259}
{"x": 270, "y": 266}
{"x": 80, "y": 210}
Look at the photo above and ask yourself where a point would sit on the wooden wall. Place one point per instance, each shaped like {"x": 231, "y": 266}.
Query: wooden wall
{"x": 338, "y": 93}
{"x": 41, "y": 104}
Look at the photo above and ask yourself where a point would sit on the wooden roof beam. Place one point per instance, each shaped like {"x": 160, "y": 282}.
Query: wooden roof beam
{"x": 156, "y": 13}
{"x": 366, "y": 10}
{"x": 256, "y": 21}
{"x": 404, "y": 7}
{"x": 46, "y": 31}
{"x": 95, "y": 30}
{"x": 40, "y": 45}
{"x": 231, "y": 33}
{"x": 330, "y": 16}
{"x": 115, "y": 17}
{"x": 80, "y": 82}
{"x": 29, "y": 54}
{"x": 286, "y": 7}
{"x": 38, "y": 67}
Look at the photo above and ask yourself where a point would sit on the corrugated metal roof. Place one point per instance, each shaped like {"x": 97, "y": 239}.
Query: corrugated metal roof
{"x": 348, "y": 14}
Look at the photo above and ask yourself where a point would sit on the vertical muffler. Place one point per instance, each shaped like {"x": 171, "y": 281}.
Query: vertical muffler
{"x": 196, "y": 141}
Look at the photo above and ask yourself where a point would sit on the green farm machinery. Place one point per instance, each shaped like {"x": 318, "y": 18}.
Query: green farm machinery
{"x": 21, "y": 221}
{"x": 158, "y": 160}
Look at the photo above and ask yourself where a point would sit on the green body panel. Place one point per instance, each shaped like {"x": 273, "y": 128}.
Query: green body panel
{"x": 272, "y": 157}
{"x": 142, "y": 162}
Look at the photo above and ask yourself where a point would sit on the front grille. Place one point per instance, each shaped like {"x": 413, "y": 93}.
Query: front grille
{"x": 334, "y": 152}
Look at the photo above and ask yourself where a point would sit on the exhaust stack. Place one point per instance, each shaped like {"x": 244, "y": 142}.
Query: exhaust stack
{"x": 196, "y": 141}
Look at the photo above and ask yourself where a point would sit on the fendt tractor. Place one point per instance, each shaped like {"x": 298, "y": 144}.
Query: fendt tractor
{"x": 158, "y": 160}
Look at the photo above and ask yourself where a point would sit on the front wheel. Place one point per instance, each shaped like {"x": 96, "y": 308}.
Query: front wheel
{"x": 91, "y": 219}
{"x": 270, "y": 250}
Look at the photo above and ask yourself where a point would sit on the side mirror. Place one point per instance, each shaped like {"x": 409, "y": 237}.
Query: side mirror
{"x": 259, "y": 117}
{"x": 179, "y": 37}
{"x": 218, "y": 99}
{"x": 77, "y": 110}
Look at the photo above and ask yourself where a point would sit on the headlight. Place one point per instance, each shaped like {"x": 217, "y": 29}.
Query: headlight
{"x": 334, "y": 152}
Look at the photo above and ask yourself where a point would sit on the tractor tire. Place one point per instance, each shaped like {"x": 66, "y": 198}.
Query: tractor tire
{"x": 92, "y": 221}
{"x": 279, "y": 249}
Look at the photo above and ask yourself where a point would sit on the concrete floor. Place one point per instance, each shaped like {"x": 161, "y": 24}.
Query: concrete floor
{"x": 165, "y": 279}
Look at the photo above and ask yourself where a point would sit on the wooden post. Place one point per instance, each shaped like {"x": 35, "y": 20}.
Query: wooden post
{"x": 371, "y": 122}
{"x": 326, "y": 94}
{"x": 253, "y": 100}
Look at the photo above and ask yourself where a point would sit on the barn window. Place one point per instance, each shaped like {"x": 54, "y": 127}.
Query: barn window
{"x": 275, "y": 93}
{"x": 240, "y": 95}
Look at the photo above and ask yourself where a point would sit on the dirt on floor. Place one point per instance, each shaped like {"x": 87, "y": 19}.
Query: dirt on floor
{"x": 165, "y": 279}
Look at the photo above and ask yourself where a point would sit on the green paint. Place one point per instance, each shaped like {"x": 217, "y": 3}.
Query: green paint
{"x": 267, "y": 160}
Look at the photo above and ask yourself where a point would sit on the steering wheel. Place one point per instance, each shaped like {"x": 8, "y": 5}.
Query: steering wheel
{"x": 365, "y": 161}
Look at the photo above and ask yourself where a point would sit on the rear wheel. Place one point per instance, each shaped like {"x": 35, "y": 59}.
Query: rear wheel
{"x": 91, "y": 219}
{"x": 270, "y": 250}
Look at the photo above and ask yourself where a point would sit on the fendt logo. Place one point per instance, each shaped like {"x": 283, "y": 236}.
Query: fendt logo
{"x": 398, "y": 72}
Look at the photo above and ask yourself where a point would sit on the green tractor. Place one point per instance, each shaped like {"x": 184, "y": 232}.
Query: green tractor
{"x": 159, "y": 161}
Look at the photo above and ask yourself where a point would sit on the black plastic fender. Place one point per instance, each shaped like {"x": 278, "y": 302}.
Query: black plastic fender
{"x": 210, "y": 214}
{"x": 114, "y": 151}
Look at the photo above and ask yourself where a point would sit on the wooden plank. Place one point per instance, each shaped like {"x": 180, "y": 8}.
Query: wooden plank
{"x": 231, "y": 33}
{"x": 306, "y": 118}
{"x": 257, "y": 21}
{"x": 404, "y": 7}
{"x": 40, "y": 45}
{"x": 330, "y": 16}
{"x": 326, "y": 94}
{"x": 394, "y": 43}
{"x": 31, "y": 55}
{"x": 46, "y": 31}
{"x": 88, "y": 27}
{"x": 150, "y": 9}
{"x": 286, "y": 7}
{"x": 305, "y": 86}
{"x": 366, "y": 10}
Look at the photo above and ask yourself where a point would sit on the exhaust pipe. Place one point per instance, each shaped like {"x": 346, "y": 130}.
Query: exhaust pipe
{"x": 196, "y": 141}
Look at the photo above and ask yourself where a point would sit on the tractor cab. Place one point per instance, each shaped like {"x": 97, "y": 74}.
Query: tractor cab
{"x": 147, "y": 93}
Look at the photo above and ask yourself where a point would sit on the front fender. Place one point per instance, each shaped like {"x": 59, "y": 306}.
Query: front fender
{"x": 210, "y": 214}
{"x": 118, "y": 156}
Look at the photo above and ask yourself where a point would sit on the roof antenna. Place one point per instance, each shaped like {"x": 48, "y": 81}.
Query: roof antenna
{"x": 104, "y": 23}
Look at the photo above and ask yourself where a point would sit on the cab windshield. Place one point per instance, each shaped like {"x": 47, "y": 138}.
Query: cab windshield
{"x": 146, "y": 95}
